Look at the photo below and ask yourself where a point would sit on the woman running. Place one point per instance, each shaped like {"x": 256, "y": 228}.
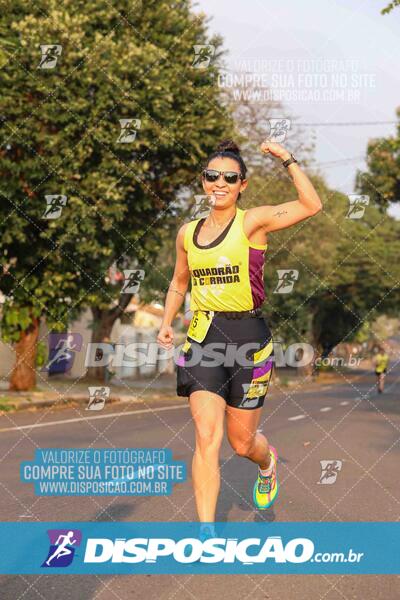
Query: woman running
{"x": 223, "y": 255}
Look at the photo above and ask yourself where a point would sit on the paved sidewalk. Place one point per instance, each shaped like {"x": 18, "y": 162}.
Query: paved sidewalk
{"x": 63, "y": 391}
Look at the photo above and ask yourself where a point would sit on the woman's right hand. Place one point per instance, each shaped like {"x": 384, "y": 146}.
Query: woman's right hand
{"x": 166, "y": 337}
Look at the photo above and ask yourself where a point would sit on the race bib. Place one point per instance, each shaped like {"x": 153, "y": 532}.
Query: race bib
{"x": 200, "y": 324}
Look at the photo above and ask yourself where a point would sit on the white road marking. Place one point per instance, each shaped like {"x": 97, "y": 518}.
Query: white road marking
{"x": 108, "y": 416}
{"x": 344, "y": 403}
{"x": 297, "y": 417}
{"x": 325, "y": 409}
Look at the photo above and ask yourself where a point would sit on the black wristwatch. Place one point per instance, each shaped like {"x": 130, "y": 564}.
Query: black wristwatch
{"x": 289, "y": 161}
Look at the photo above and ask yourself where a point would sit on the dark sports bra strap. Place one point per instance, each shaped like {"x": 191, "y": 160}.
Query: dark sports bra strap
{"x": 215, "y": 242}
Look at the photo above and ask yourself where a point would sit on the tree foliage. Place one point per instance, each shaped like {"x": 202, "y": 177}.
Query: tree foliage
{"x": 348, "y": 272}
{"x": 391, "y": 6}
{"x": 381, "y": 180}
{"x": 61, "y": 132}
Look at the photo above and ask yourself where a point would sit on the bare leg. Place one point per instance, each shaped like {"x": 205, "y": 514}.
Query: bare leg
{"x": 208, "y": 411}
{"x": 244, "y": 438}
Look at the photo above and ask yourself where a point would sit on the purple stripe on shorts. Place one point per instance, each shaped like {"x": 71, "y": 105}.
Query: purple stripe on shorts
{"x": 259, "y": 371}
{"x": 180, "y": 361}
{"x": 256, "y": 262}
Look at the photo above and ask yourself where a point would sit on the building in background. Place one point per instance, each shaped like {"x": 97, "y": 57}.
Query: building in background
{"x": 142, "y": 328}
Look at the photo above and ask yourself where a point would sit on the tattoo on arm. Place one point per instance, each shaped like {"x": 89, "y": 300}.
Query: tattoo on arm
{"x": 280, "y": 213}
{"x": 176, "y": 292}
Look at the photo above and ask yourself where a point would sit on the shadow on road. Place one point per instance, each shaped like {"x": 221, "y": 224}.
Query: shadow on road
{"x": 236, "y": 496}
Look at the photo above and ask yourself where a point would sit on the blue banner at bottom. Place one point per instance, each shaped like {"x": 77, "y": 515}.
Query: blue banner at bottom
{"x": 167, "y": 547}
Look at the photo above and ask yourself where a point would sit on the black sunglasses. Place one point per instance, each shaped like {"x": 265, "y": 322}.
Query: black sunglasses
{"x": 212, "y": 175}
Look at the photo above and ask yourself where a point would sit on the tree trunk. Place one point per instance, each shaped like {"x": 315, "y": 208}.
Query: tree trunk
{"x": 102, "y": 326}
{"x": 23, "y": 376}
{"x": 103, "y": 321}
{"x": 310, "y": 371}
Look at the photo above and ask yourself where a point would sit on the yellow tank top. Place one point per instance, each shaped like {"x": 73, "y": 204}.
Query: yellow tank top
{"x": 228, "y": 274}
{"x": 382, "y": 361}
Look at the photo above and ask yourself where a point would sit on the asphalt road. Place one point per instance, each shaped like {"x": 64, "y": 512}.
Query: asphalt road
{"x": 345, "y": 421}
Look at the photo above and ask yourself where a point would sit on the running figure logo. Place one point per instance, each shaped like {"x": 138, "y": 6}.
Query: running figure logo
{"x": 62, "y": 550}
{"x": 132, "y": 280}
{"x": 357, "y": 204}
{"x": 62, "y": 349}
{"x": 54, "y": 206}
{"x": 203, "y": 55}
{"x": 252, "y": 393}
{"x": 329, "y": 471}
{"x": 287, "y": 279}
{"x": 201, "y": 209}
{"x": 50, "y": 54}
{"x": 97, "y": 397}
{"x": 278, "y": 129}
{"x": 128, "y": 131}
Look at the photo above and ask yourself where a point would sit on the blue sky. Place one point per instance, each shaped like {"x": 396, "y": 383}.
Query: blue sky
{"x": 317, "y": 42}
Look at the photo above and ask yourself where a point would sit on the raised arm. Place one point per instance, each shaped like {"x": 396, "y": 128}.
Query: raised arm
{"x": 280, "y": 216}
{"x": 176, "y": 291}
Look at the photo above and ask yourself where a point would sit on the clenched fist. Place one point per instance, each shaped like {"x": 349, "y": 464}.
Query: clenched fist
{"x": 275, "y": 149}
{"x": 166, "y": 337}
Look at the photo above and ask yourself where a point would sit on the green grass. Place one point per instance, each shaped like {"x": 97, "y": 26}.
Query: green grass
{"x": 4, "y": 400}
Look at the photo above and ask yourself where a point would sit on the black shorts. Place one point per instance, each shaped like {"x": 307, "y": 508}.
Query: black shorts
{"x": 235, "y": 360}
{"x": 380, "y": 372}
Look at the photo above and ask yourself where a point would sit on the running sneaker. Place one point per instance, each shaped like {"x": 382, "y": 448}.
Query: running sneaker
{"x": 266, "y": 487}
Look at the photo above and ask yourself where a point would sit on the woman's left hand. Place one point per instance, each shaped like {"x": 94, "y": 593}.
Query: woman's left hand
{"x": 275, "y": 149}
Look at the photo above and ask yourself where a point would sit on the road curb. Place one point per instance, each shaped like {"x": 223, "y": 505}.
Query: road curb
{"x": 80, "y": 399}
{"x": 32, "y": 400}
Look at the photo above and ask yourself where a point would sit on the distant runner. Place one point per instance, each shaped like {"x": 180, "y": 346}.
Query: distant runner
{"x": 381, "y": 361}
